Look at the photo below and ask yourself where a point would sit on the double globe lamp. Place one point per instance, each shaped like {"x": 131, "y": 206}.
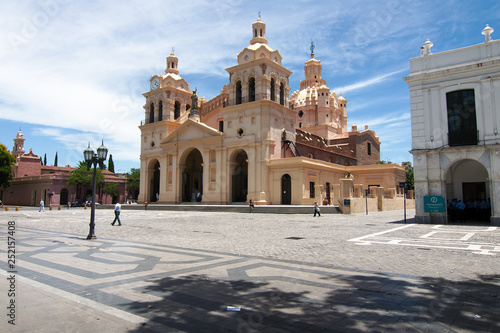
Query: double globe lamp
{"x": 92, "y": 158}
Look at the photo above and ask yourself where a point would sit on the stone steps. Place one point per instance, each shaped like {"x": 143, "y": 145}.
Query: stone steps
{"x": 235, "y": 208}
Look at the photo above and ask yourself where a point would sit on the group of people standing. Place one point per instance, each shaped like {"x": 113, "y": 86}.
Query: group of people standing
{"x": 478, "y": 210}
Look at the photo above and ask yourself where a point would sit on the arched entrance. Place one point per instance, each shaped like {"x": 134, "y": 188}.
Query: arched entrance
{"x": 192, "y": 177}
{"x": 239, "y": 177}
{"x": 63, "y": 197}
{"x": 154, "y": 180}
{"x": 286, "y": 189}
{"x": 467, "y": 181}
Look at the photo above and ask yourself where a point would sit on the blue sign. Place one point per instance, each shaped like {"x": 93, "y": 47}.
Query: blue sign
{"x": 347, "y": 202}
{"x": 434, "y": 204}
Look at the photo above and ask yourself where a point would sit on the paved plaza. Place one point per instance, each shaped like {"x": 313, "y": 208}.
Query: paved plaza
{"x": 188, "y": 271}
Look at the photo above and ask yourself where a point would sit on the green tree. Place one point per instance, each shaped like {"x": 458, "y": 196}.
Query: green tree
{"x": 409, "y": 178}
{"x": 45, "y": 159}
{"x": 111, "y": 165}
{"x": 6, "y": 160}
{"x": 110, "y": 189}
{"x": 133, "y": 182}
{"x": 81, "y": 177}
{"x": 55, "y": 160}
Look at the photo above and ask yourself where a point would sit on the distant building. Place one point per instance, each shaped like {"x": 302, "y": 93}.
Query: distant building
{"x": 455, "y": 103}
{"x": 254, "y": 140}
{"x": 33, "y": 182}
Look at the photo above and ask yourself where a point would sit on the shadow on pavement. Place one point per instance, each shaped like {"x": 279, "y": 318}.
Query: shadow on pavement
{"x": 359, "y": 303}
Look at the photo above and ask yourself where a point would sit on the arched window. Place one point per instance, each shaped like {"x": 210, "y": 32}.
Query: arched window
{"x": 152, "y": 113}
{"x": 177, "y": 110}
{"x": 273, "y": 90}
{"x": 260, "y": 32}
{"x": 282, "y": 94}
{"x": 160, "y": 111}
{"x": 238, "y": 92}
{"x": 255, "y": 32}
{"x": 251, "y": 89}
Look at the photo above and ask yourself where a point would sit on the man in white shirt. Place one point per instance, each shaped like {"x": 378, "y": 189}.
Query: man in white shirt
{"x": 118, "y": 208}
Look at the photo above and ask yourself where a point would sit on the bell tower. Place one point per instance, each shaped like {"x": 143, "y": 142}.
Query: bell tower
{"x": 259, "y": 32}
{"x": 18, "y": 149}
{"x": 172, "y": 63}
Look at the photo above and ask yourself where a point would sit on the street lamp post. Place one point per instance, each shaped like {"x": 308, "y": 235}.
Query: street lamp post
{"x": 92, "y": 158}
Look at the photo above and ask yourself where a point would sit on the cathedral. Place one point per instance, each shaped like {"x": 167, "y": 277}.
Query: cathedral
{"x": 255, "y": 140}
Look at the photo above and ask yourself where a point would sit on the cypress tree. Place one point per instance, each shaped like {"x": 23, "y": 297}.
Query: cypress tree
{"x": 111, "y": 165}
{"x": 55, "y": 160}
{"x": 45, "y": 159}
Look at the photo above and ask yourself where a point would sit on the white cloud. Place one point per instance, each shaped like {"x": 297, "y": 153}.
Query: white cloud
{"x": 368, "y": 82}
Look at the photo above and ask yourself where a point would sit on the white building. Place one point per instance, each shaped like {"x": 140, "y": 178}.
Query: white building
{"x": 455, "y": 118}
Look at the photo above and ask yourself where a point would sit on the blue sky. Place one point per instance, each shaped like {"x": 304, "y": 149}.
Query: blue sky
{"x": 73, "y": 72}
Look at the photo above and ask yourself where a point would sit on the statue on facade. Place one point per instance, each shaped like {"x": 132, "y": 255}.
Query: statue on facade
{"x": 194, "y": 100}
{"x": 193, "y": 113}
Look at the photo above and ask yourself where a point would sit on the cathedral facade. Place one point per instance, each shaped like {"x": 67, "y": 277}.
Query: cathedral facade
{"x": 254, "y": 140}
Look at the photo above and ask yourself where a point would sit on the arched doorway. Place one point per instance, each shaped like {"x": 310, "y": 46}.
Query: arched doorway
{"x": 154, "y": 181}
{"x": 192, "y": 177}
{"x": 286, "y": 189}
{"x": 239, "y": 177}
{"x": 467, "y": 181}
{"x": 63, "y": 197}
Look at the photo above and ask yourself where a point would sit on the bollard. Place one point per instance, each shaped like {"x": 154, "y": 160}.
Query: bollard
{"x": 6, "y": 209}
{"x": 58, "y": 207}
{"x": 84, "y": 207}
{"x": 50, "y": 208}
{"x": 17, "y": 208}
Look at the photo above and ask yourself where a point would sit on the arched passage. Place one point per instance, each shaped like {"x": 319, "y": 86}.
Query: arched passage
{"x": 239, "y": 176}
{"x": 192, "y": 177}
{"x": 467, "y": 181}
{"x": 154, "y": 180}
{"x": 286, "y": 189}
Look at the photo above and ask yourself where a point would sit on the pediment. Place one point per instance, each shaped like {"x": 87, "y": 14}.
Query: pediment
{"x": 190, "y": 131}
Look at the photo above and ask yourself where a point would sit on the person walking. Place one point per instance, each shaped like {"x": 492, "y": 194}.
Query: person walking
{"x": 250, "y": 205}
{"x": 316, "y": 210}
{"x": 118, "y": 208}
{"x": 42, "y": 207}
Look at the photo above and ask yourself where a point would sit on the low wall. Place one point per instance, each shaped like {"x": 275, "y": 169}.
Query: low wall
{"x": 375, "y": 204}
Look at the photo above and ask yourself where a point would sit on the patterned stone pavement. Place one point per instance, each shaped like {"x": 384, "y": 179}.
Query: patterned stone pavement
{"x": 179, "y": 271}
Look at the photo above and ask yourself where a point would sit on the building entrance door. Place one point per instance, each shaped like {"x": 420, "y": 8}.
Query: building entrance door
{"x": 155, "y": 183}
{"x": 63, "y": 199}
{"x": 474, "y": 191}
{"x": 239, "y": 177}
{"x": 286, "y": 189}
{"x": 192, "y": 177}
